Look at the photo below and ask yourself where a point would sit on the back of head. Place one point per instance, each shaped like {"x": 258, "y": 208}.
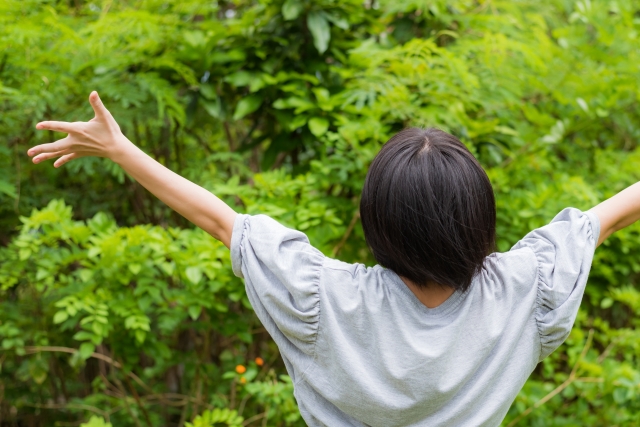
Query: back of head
{"x": 428, "y": 210}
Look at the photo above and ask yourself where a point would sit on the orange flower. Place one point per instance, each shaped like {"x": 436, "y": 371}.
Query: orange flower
{"x": 241, "y": 369}
{"x": 243, "y": 380}
{"x": 259, "y": 361}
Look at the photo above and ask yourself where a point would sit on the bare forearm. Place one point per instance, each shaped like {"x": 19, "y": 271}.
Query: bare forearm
{"x": 193, "y": 202}
{"x": 619, "y": 211}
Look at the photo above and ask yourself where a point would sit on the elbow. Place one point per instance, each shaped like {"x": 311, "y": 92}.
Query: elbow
{"x": 220, "y": 230}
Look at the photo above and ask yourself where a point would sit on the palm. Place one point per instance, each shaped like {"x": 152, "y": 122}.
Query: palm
{"x": 99, "y": 137}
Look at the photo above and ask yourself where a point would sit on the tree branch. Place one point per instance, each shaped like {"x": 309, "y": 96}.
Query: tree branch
{"x": 38, "y": 349}
{"x": 346, "y": 235}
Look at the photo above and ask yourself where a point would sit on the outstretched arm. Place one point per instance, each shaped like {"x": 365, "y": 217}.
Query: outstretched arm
{"x": 619, "y": 211}
{"x": 101, "y": 137}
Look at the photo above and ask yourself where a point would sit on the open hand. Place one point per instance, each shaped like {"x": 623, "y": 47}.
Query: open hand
{"x": 100, "y": 137}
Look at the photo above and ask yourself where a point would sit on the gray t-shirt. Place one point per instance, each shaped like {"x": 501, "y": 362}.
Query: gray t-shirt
{"x": 363, "y": 351}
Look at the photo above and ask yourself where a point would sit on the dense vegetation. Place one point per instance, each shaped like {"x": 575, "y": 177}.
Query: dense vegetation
{"x": 115, "y": 311}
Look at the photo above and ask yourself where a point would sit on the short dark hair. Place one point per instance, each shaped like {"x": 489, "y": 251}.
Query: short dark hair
{"x": 428, "y": 210}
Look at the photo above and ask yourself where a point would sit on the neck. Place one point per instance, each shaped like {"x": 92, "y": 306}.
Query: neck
{"x": 431, "y": 296}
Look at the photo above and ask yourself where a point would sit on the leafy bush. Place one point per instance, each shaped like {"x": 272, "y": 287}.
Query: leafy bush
{"x": 118, "y": 312}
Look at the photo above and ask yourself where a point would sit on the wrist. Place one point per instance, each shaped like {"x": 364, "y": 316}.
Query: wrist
{"x": 123, "y": 149}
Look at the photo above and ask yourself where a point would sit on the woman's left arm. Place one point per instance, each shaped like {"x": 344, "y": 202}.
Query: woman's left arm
{"x": 619, "y": 211}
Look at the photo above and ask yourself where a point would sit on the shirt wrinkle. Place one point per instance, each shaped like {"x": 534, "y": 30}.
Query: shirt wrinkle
{"x": 538, "y": 299}
{"x": 317, "y": 333}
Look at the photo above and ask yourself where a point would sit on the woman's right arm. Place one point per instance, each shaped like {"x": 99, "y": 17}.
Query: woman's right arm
{"x": 101, "y": 137}
{"x": 618, "y": 212}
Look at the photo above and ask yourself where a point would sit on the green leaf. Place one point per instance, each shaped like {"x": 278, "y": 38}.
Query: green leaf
{"x": 224, "y": 57}
{"x": 583, "y": 104}
{"x": 60, "y": 317}
{"x": 85, "y": 275}
{"x": 213, "y": 107}
{"x": 223, "y": 308}
{"x": 86, "y": 349}
{"x": 320, "y": 30}
{"x": 194, "y": 274}
{"x": 95, "y": 421}
{"x": 240, "y": 78}
{"x": 298, "y": 121}
{"x": 42, "y": 274}
{"x": 208, "y": 91}
{"x": 83, "y": 335}
{"x": 72, "y": 310}
{"x": 194, "y": 311}
{"x": 247, "y": 105}
{"x": 257, "y": 83}
{"x": 140, "y": 336}
{"x": 135, "y": 268}
{"x": 281, "y": 104}
{"x": 195, "y": 38}
{"x": 94, "y": 252}
{"x": 168, "y": 268}
{"x": 322, "y": 94}
{"x": 291, "y": 9}
{"x": 606, "y": 303}
{"x": 338, "y": 21}
{"x": 8, "y": 189}
{"x": 620, "y": 395}
{"x": 318, "y": 126}
{"x": 38, "y": 370}
{"x": 24, "y": 254}
{"x": 217, "y": 417}
{"x": 245, "y": 336}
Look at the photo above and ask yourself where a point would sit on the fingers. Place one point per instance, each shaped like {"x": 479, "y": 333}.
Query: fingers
{"x": 77, "y": 127}
{"x": 97, "y": 105}
{"x": 46, "y": 156}
{"x": 65, "y": 159}
{"x": 64, "y": 127}
{"x": 53, "y": 147}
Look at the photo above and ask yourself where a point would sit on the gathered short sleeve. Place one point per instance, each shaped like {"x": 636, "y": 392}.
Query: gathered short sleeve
{"x": 282, "y": 273}
{"x": 564, "y": 251}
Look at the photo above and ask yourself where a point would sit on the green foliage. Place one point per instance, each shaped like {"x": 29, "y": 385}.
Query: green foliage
{"x": 217, "y": 417}
{"x": 96, "y": 422}
{"x": 118, "y": 308}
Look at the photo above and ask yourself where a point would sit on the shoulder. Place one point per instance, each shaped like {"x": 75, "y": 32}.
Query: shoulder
{"x": 345, "y": 283}
{"x": 263, "y": 227}
{"x": 341, "y": 275}
{"x": 345, "y": 268}
{"x": 516, "y": 269}
{"x": 260, "y": 243}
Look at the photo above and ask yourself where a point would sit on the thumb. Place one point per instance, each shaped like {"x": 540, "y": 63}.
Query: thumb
{"x": 98, "y": 106}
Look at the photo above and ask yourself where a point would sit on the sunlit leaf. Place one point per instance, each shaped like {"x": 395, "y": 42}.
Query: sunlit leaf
{"x": 320, "y": 30}
{"x": 318, "y": 126}
{"x": 86, "y": 350}
{"x": 291, "y": 9}
{"x": 247, "y": 105}
{"x": 60, "y": 317}
{"x": 194, "y": 274}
